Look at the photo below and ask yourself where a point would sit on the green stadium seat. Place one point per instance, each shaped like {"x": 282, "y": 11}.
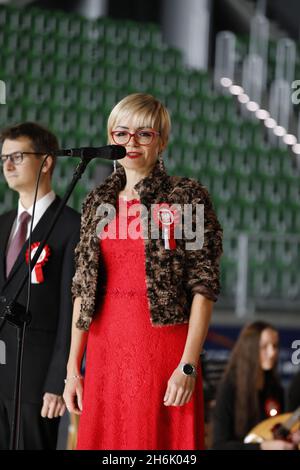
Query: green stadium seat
{"x": 280, "y": 219}
{"x": 230, "y": 215}
{"x": 3, "y": 17}
{"x": 290, "y": 283}
{"x": 7, "y": 198}
{"x": 229, "y": 277}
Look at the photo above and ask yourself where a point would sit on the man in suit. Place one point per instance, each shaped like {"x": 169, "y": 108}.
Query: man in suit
{"x": 48, "y": 335}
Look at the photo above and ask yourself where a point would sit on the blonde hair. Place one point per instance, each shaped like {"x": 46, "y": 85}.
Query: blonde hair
{"x": 145, "y": 110}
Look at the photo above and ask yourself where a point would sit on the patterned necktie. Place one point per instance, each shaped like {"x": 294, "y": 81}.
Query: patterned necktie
{"x": 17, "y": 241}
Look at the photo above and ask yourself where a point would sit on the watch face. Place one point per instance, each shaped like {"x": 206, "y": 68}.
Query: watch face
{"x": 188, "y": 369}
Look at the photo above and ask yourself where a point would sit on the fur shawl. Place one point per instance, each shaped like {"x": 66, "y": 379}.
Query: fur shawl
{"x": 172, "y": 276}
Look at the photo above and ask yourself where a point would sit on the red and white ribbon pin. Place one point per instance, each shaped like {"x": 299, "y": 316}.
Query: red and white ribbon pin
{"x": 37, "y": 276}
{"x": 166, "y": 218}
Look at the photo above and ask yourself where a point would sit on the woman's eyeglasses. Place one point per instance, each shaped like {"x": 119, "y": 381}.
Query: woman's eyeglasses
{"x": 16, "y": 157}
{"x": 141, "y": 137}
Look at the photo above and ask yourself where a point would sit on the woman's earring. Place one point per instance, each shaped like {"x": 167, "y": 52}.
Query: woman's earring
{"x": 115, "y": 166}
{"x": 161, "y": 162}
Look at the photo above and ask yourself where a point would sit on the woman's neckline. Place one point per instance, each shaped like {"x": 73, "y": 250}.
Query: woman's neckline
{"x": 125, "y": 199}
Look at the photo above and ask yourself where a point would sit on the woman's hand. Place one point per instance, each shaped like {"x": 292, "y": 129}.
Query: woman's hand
{"x": 73, "y": 395}
{"x": 180, "y": 389}
{"x": 295, "y": 437}
{"x": 277, "y": 444}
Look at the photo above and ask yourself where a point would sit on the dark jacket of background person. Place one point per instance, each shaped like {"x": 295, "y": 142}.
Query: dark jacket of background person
{"x": 224, "y": 436}
{"x": 294, "y": 393}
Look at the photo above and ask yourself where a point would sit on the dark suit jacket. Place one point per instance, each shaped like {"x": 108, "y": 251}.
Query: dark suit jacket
{"x": 294, "y": 393}
{"x": 48, "y": 335}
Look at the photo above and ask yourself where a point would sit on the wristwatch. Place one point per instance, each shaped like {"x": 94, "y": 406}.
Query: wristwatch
{"x": 188, "y": 369}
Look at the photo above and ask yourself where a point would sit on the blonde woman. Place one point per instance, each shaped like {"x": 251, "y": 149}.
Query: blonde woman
{"x": 142, "y": 304}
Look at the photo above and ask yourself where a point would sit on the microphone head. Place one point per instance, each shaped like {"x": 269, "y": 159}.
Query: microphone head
{"x": 108, "y": 152}
{"x": 116, "y": 152}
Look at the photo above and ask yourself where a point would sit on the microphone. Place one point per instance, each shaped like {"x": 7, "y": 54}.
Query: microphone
{"x": 108, "y": 152}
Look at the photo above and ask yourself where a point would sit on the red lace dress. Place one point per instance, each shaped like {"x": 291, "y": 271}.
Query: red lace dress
{"x": 129, "y": 362}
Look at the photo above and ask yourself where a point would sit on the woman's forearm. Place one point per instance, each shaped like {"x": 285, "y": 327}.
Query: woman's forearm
{"x": 78, "y": 342}
{"x": 200, "y": 316}
{"x": 181, "y": 387}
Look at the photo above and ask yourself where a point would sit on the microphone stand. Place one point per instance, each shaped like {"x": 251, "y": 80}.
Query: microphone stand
{"x": 16, "y": 314}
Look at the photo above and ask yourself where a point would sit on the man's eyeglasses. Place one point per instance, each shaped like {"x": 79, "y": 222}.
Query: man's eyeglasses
{"x": 141, "y": 137}
{"x": 16, "y": 157}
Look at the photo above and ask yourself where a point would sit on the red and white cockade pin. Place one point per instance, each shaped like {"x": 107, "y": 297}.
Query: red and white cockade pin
{"x": 37, "y": 276}
{"x": 166, "y": 218}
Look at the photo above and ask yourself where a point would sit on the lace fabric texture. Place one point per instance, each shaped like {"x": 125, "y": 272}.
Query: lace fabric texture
{"x": 129, "y": 362}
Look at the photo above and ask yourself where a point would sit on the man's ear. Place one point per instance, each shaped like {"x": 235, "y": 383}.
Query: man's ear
{"x": 48, "y": 164}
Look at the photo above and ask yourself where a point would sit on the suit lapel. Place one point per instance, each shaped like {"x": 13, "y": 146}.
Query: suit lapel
{"x": 37, "y": 236}
{"x": 4, "y": 237}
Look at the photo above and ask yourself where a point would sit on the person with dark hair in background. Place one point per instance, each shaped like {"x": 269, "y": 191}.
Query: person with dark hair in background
{"x": 24, "y": 148}
{"x": 250, "y": 391}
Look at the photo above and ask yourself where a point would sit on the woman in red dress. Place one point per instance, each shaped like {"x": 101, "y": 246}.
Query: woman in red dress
{"x": 142, "y": 303}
